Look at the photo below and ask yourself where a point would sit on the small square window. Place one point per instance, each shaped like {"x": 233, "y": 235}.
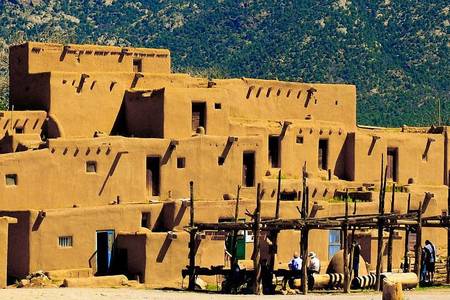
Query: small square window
{"x": 299, "y": 139}
{"x": 145, "y": 220}
{"x": 181, "y": 162}
{"x": 65, "y": 241}
{"x": 137, "y": 65}
{"x": 217, "y": 105}
{"x": 19, "y": 129}
{"x": 91, "y": 167}
{"x": 11, "y": 179}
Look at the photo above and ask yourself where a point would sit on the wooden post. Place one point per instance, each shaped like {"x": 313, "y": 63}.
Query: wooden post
{"x": 256, "y": 244}
{"x": 304, "y": 238}
{"x": 192, "y": 232}
{"x": 448, "y": 229}
{"x": 345, "y": 228}
{"x": 391, "y": 234}
{"x": 274, "y": 234}
{"x": 380, "y": 232}
{"x": 405, "y": 258}
{"x": 235, "y": 232}
{"x": 418, "y": 246}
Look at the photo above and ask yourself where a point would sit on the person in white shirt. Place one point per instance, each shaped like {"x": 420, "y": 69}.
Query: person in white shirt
{"x": 314, "y": 264}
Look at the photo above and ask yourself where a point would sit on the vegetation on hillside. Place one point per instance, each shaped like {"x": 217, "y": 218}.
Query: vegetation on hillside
{"x": 395, "y": 51}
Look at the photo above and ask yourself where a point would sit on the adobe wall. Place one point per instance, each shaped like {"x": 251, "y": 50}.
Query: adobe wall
{"x": 426, "y": 170}
{"x": 277, "y": 100}
{"x": 34, "y": 57}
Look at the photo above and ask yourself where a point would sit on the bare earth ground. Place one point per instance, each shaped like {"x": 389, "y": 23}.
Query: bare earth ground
{"x": 141, "y": 294}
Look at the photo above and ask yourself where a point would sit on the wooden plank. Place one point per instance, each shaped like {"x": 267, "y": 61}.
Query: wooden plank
{"x": 256, "y": 244}
{"x": 418, "y": 246}
{"x": 235, "y": 231}
{"x": 345, "y": 260}
{"x": 192, "y": 232}
{"x": 380, "y": 234}
{"x": 391, "y": 234}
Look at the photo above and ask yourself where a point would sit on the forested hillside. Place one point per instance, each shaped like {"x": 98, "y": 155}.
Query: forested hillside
{"x": 395, "y": 51}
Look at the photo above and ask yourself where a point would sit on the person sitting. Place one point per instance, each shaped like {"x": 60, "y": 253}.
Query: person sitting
{"x": 295, "y": 266}
{"x": 314, "y": 264}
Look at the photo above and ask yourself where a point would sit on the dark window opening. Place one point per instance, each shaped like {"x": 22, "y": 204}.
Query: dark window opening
{"x": 11, "y": 179}
{"x": 323, "y": 154}
{"x": 137, "y": 65}
{"x": 145, "y": 220}
{"x": 217, "y": 105}
{"x": 181, "y": 162}
{"x": 392, "y": 164}
{"x": 248, "y": 169}
{"x": 288, "y": 196}
{"x": 274, "y": 151}
{"x": 299, "y": 139}
{"x": 65, "y": 241}
{"x": 198, "y": 115}
{"x": 153, "y": 175}
{"x": 91, "y": 167}
{"x": 19, "y": 129}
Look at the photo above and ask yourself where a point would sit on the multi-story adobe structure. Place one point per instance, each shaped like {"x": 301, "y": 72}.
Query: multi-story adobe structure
{"x": 100, "y": 144}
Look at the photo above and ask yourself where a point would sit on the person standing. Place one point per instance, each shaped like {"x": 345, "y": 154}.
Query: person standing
{"x": 356, "y": 254}
{"x": 431, "y": 261}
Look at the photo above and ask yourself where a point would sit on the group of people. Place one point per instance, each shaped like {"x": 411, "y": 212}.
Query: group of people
{"x": 428, "y": 262}
{"x": 295, "y": 265}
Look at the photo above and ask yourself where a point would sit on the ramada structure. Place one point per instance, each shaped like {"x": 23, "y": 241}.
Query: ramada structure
{"x": 101, "y": 143}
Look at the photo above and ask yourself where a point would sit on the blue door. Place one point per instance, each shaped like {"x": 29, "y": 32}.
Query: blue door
{"x": 105, "y": 241}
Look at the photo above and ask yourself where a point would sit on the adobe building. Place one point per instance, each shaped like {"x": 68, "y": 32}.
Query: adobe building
{"x": 100, "y": 144}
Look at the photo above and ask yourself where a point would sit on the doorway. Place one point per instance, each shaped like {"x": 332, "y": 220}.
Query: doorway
{"x": 153, "y": 175}
{"x": 274, "y": 151}
{"x": 323, "y": 154}
{"x": 198, "y": 115}
{"x": 392, "y": 164}
{"x": 104, "y": 242}
{"x": 248, "y": 169}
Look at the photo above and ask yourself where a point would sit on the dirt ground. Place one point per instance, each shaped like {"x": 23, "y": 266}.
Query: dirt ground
{"x": 141, "y": 294}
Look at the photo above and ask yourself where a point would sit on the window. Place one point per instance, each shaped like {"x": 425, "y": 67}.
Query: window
{"x": 248, "y": 169}
{"x": 181, "y": 162}
{"x": 288, "y": 196}
{"x": 11, "y": 179}
{"x": 19, "y": 129}
{"x": 299, "y": 139}
{"x": 392, "y": 163}
{"x": 65, "y": 241}
{"x": 91, "y": 167}
{"x": 323, "y": 154}
{"x": 153, "y": 164}
{"x": 217, "y": 105}
{"x": 334, "y": 242}
{"x": 198, "y": 115}
{"x": 145, "y": 220}
{"x": 137, "y": 65}
{"x": 274, "y": 151}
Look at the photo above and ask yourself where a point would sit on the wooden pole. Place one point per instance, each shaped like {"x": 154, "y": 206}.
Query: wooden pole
{"x": 418, "y": 246}
{"x": 274, "y": 234}
{"x": 304, "y": 239}
{"x": 256, "y": 244}
{"x": 345, "y": 228}
{"x": 448, "y": 229}
{"x": 405, "y": 258}
{"x": 235, "y": 232}
{"x": 192, "y": 232}
{"x": 391, "y": 234}
{"x": 380, "y": 232}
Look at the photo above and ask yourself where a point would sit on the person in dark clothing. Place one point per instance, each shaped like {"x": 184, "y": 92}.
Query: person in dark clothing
{"x": 356, "y": 254}
{"x": 431, "y": 260}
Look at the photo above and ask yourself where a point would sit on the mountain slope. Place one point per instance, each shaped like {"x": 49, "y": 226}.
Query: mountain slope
{"x": 396, "y": 52}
